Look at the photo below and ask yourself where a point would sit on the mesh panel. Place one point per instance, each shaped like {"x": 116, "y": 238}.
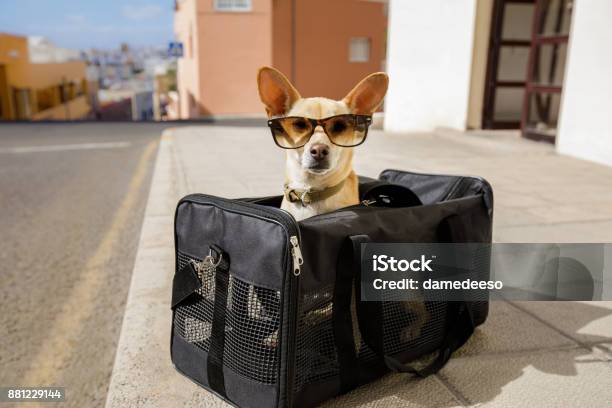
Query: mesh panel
{"x": 316, "y": 357}
{"x": 251, "y": 341}
{"x": 251, "y": 325}
{"x": 412, "y": 325}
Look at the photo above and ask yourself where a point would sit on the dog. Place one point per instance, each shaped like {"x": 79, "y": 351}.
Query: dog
{"x": 319, "y": 175}
{"x": 319, "y": 135}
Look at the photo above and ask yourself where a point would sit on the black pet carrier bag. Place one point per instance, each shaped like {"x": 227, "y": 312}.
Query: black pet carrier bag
{"x": 263, "y": 308}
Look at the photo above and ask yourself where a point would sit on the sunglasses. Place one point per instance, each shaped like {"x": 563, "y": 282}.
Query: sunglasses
{"x": 293, "y": 132}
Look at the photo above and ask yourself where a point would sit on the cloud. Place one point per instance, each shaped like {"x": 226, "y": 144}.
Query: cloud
{"x": 143, "y": 12}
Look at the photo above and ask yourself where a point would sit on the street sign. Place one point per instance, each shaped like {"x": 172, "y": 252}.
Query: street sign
{"x": 175, "y": 49}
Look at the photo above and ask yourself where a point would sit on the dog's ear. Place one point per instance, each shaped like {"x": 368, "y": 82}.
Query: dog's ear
{"x": 275, "y": 91}
{"x": 368, "y": 94}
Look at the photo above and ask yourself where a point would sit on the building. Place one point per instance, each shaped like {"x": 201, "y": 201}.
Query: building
{"x": 39, "y": 91}
{"x": 127, "y": 101}
{"x": 127, "y": 80}
{"x": 324, "y": 47}
{"x": 542, "y": 66}
{"x": 43, "y": 51}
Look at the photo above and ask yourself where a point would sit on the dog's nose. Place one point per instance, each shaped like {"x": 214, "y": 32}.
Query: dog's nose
{"x": 319, "y": 151}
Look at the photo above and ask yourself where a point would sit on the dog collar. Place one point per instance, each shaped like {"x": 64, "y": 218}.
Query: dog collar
{"x": 306, "y": 197}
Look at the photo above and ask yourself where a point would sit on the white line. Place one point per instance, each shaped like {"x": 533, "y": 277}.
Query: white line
{"x": 61, "y": 148}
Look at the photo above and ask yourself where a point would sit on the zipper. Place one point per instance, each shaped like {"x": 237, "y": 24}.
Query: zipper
{"x": 296, "y": 253}
{"x": 281, "y": 217}
{"x": 291, "y": 280}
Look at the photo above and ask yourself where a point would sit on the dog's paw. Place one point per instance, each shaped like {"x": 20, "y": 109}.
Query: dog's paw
{"x": 271, "y": 341}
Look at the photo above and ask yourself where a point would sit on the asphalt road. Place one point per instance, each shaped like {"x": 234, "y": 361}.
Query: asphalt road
{"x": 72, "y": 199}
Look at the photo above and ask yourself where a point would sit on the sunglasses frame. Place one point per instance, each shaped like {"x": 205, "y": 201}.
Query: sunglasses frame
{"x": 319, "y": 122}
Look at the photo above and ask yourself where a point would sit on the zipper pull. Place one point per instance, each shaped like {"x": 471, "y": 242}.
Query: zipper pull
{"x": 368, "y": 203}
{"x": 296, "y": 252}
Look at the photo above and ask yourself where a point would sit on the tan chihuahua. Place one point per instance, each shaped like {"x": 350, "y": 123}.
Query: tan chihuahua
{"x": 319, "y": 135}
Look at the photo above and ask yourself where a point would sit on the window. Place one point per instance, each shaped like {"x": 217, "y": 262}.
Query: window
{"x": 359, "y": 49}
{"x": 233, "y": 5}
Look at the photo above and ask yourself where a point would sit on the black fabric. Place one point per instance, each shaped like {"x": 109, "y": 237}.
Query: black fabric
{"x": 459, "y": 329}
{"x": 342, "y": 316}
{"x": 214, "y": 362}
{"x": 237, "y": 339}
{"x": 259, "y": 241}
{"x": 384, "y": 194}
{"x": 437, "y": 188}
{"x": 189, "y": 359}
{"x": 429, "y": 189}
{"x": 191, "y": 362}
{"x": 460, "y": 321}
{"x": 184, "y": 284}
{"x": 370, "y": 320}
{"x": 453, "y": 229}
{"x": 324, "y": 234}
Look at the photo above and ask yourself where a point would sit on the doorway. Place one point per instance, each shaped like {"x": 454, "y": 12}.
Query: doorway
{"x": 546, "y": 69}
{"x": 509, "y": 47}
{"x": 525, "y": 66}
{"x": 4, "y": 95}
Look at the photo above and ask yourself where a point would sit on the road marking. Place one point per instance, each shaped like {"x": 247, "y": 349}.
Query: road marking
{"x": 78, "y": 307}
{"x": 66, "y": 147}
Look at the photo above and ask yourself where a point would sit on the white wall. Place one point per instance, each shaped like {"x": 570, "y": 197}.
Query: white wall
{"x": 429, "y": 63}
{"x": 585, "y": 128}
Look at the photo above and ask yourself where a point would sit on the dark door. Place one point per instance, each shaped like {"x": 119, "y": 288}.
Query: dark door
{"x": 551, "y": 24}
{"x": 4, "y": 95}
{"x": 509, "y": 45}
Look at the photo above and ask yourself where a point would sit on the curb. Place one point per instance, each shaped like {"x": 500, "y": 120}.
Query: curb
{"x": 143, "y": 374}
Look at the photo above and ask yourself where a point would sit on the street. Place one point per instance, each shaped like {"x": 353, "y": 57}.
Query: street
{"x": 72, "y": 198}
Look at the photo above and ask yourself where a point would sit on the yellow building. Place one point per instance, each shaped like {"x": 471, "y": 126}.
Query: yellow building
{"x": 54, "y": 91}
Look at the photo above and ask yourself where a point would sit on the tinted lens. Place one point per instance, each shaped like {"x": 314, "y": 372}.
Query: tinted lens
{"x": 346, "y": 130}
{"x": 291, "y": 133}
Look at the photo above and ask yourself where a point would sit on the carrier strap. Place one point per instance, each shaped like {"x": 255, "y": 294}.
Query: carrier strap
{"x": 342, "y": 321}
{"x": 214, "y": 363}
{"x": 459, "y": 319}
{"x": 184, "y": 283}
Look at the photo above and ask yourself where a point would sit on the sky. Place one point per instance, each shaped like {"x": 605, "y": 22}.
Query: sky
{"x": 83, "y": 24}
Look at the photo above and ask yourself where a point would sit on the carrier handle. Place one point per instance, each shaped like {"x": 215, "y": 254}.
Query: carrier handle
{"x": 459, "y": 319}
{"x": 185, "y": 283}
{"x": 214, "y": 362}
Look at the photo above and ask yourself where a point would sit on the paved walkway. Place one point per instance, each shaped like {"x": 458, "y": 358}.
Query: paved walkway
{"x": 527, "y": 353}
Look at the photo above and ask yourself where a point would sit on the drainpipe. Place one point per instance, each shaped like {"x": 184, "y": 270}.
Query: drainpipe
{"x": 65, "y": 98}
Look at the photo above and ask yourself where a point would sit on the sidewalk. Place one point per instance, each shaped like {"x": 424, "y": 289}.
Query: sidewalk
{"x": 527, "y": 353}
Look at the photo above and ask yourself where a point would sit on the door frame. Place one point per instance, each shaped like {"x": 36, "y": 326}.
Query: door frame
{"x": 533, "y": 87}
{"x": 496, "y": 42}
